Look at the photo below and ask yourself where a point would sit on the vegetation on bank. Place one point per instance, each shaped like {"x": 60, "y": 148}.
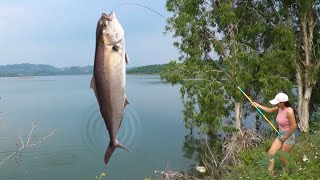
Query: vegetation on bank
{"x": 150, "y": 69}
{"x": 304, "y": 161}
{"x": 245, "y": 156}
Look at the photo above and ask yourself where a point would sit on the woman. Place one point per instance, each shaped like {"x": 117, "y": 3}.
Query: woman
{"x": 287, "y": 125}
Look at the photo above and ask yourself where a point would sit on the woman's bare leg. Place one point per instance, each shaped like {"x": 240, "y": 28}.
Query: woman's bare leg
{"x": 276, "y": 145}
{"x": 286, "y": 148}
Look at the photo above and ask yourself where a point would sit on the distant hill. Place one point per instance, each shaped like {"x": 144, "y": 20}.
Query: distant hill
{"x": 27, "y": 69}
{"x": 149, "y": 69}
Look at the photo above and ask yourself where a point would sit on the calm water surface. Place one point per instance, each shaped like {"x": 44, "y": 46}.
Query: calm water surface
{"x": 152, "y": 129}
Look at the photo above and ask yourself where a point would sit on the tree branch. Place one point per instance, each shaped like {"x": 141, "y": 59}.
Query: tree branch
{"x": 216, "y": 40}
{"x": 34, "y": 124}
{"x": 21, "y": 141}
{"x": 27, "y": 145}
{"x": 231, "y": 149}
{"x": 213, "y": 157}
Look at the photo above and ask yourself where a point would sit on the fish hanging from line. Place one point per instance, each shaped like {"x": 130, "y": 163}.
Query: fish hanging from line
{"x": 109, "y": 76}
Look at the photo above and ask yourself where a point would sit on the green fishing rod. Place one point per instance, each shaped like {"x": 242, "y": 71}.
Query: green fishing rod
{"x": 279, "y": 134}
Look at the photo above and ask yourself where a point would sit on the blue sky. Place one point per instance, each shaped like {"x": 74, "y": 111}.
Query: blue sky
{"x": 62, "y": 32}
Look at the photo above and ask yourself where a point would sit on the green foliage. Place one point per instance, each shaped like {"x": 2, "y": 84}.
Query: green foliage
{"x": 150, "y": 69}
{"x": 173, "y": 72}
{"x": 315, "y": 121}
{"x": 258, "y": 44}
{"x": 202, "y": 95}
{"x": 315, "y": 103}
{"x": 304, "y": 161}
{"x": 257, "y": 53}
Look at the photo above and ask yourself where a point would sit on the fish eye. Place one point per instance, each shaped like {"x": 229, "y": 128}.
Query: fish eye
{"x": 115, "y": 47}
{"x": 103, "y": 25}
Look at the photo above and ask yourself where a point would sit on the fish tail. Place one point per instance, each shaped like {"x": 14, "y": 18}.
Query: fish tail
{"x": 108, "y": 154}
{"x": 110, "y": 150}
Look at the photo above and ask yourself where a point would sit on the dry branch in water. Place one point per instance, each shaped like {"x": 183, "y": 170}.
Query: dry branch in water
{"x": 215, "y": 164}
{"x": 28, "y": 144}
{"x": 240, "y": 140}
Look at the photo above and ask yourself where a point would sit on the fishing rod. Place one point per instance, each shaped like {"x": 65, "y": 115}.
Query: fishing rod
{"x": 279, "y": 133}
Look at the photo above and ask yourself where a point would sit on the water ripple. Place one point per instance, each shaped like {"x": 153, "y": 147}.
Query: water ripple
{"x": 94, "y": 133}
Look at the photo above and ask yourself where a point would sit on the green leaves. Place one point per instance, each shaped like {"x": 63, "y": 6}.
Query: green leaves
{"x": 172, "y": 73}
{"x": 254, "y": 41}
{"x": 260, "y": 44}
{"x": 224, "y": 14}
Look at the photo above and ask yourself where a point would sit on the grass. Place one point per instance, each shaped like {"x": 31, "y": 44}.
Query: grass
{"x": 252, "y": 162}
{"x": 304, "y": 161}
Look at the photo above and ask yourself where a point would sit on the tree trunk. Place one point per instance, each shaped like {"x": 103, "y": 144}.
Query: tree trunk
{"x": 238, "y": 111}
{"x": 304, "y": 121}
{"x": 305, "y": 79}
{"x": 300, "y": 92}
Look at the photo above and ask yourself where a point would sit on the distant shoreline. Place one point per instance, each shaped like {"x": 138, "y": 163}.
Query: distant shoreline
{"x": 27, "y": 70}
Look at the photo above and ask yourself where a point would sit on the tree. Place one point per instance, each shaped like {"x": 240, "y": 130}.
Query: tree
{"x": 294, "y": 35}
{"x": 307, "y": 26}
{"x": 202, "y": 94}
{"x": 304, "y": 19}
{"x": 245, "y": 37}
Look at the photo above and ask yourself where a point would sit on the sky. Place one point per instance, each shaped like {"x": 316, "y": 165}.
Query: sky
{"x": 62, "y": 32}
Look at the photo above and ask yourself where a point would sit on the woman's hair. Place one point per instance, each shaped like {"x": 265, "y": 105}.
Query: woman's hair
{"x": 287, "y": 104}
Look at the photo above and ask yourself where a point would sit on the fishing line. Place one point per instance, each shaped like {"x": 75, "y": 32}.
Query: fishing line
{"x": 279, "y": 134}
{"x": 136, "y": 4}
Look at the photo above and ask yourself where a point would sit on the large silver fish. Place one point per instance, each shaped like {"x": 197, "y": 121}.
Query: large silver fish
{"x": 109, "y": 76}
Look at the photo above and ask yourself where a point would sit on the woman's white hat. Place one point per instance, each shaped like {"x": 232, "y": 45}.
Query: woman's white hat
{"x": 280, "y": 97}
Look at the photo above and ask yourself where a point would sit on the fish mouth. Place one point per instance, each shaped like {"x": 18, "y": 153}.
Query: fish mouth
{"x": 110, "y": 16}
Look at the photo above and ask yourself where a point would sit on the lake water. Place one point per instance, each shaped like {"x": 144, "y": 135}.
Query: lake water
{"x": 152, "y": 129}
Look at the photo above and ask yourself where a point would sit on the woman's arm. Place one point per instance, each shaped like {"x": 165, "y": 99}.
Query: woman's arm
{"x": 266, "y": 109}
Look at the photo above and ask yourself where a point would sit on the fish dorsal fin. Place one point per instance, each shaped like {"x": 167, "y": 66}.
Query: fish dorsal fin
{"x": 127, "y": 58}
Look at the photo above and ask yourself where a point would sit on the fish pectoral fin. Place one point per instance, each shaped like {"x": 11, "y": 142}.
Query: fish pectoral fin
{"x": 126, "y": 102}
{"x": 93, "y": 85}
{"x": 127, "y": 58}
